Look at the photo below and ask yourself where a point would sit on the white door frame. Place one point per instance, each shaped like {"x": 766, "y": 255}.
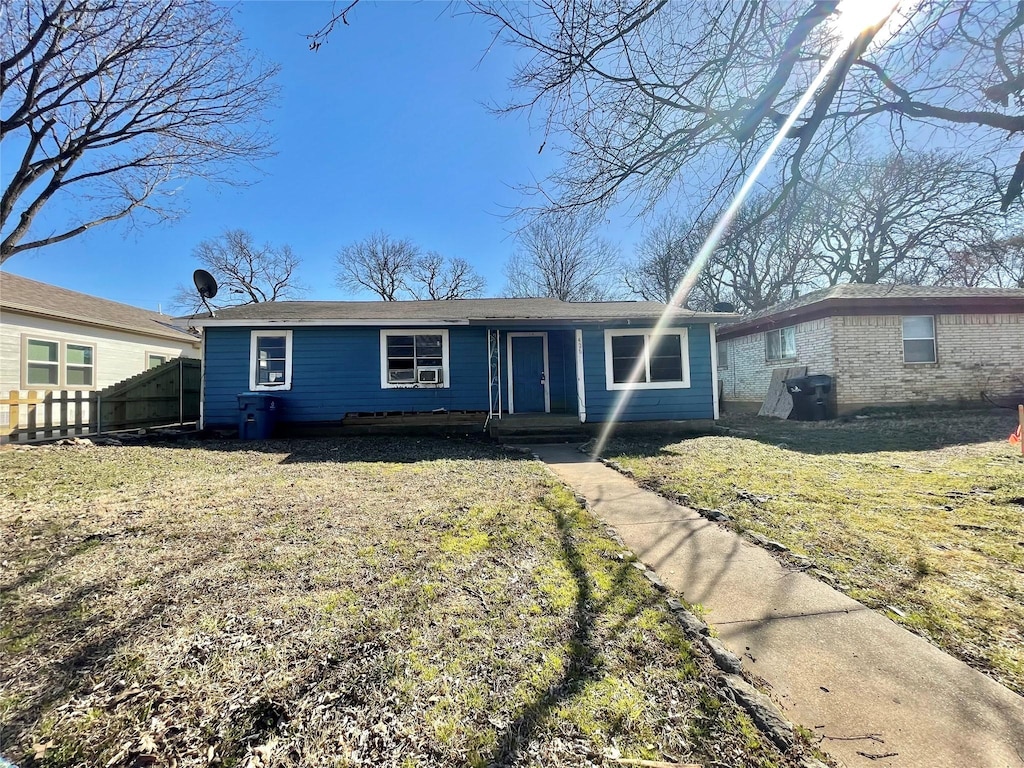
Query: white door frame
{"x": 508, "y": 366}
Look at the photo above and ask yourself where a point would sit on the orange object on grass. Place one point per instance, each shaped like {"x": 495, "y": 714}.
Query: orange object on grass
{"x": 1014, "y": 437}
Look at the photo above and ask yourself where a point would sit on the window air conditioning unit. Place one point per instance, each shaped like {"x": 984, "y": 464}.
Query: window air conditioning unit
{"x": 432, "y": 375}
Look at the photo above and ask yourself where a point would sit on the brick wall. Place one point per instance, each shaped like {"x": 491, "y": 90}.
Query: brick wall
{"x": 747, "y": 376}
{"x": 975, "y": 353}
{"x": 865, "y": 356}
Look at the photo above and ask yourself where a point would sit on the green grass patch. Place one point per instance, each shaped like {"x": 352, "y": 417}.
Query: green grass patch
{"x": 393, "y": 602}
{"x": 918, "y": 516}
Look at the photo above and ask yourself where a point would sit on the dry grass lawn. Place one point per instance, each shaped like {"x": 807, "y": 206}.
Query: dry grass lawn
{"x": 333, "y": 603}
{"x": 917, "y": 515}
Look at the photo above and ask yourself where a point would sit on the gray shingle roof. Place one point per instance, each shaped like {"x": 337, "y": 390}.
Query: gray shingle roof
{"x": 883, "y": 291}
{"x": 471, "y": 310}
{"x": 842, "y": 299}
{"x": 30, "y": 296}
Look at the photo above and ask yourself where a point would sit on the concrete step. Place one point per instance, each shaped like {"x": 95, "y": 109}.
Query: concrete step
{"x": 527, "y": 438}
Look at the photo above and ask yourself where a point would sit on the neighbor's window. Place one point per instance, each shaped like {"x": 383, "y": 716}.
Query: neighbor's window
{"x": 155, "y": 361}
{"x": 58, "y": 364}
{"x": 723, "y": 354}
{"x": 414, "y": 358}
{"x": 42, "y": 366}
{"x": 780, "y": 344}
{"x": 919, "y": 339}
{"x": 78, "y": 365}
{"x": 270, "y": 360}
{"x": 660, "y": 364}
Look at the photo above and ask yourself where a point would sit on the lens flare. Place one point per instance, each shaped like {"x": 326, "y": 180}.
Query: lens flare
{"x": 855, "y": 16}
{"x": 863, "y": 15}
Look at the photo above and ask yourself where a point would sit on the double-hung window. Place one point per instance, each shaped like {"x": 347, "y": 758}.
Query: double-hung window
{"x": 414, "y": 358}
{"x": 635, "y": 359}
{"x": 52, "y": 364}
{"x": 780, "y": 344}
{"x": 78, "y": 365}
{"x": 42, "y": 366}
{"x": 270, "y": 360}
{"x": 919, "y": 339}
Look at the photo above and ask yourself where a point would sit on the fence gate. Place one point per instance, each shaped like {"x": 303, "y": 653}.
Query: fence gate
{"x": 162, "y": 396}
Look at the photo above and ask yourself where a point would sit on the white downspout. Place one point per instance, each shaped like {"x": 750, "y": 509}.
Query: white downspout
{"x": 714, "y": 368}
{"x": 202, "y": 379}
{"x": 581, "y": 390}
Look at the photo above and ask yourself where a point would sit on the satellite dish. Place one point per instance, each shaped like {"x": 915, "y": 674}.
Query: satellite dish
{"x": 205, "y": 283}
{"x": 724, "y": 306}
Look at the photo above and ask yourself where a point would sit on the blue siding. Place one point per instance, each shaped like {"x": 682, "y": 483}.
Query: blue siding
{"x": 695, "y": 402}
{"x": 337, "y": 371}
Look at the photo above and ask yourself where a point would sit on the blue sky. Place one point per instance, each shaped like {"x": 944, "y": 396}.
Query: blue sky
{"x": 385, "y": 127}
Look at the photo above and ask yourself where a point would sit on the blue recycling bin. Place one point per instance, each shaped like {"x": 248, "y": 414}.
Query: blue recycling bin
{"x": 257, "y": 415}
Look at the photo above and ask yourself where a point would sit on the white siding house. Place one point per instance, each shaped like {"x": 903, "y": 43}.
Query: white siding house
{"x": 55, "y": 339}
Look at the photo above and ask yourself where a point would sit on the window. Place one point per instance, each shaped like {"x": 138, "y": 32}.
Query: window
{"x": 154, "y": 360}
{"x": 723, "y": 354}
{"x": 42, "y": 367}
{"x": 780, "y": 344}
{"x": 270, "y": 360}
{"x": 919, "y": 339}
{"x": 661, "y": 364}
{"x": 414, "y": 358}
{"x": 78, "y": 365}
{"x": 52, "y": 364}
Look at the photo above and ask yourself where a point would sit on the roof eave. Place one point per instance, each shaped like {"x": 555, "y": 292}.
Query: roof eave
{"x": 875, "y": 305}
{"x": 430, "y": 322}
{"x": 169, "y": 333}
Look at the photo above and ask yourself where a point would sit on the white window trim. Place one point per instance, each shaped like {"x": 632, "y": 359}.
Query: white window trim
{"x": 783, "y": 357}
{"x": 609, "y": 378}
{"x": 445, "y": 357}
{"x": 933, "y": 339}
{"x": 287, "y": 384}
{"x": 62, "y": 364}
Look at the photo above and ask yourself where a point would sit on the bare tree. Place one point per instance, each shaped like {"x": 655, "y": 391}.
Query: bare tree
{"x": 432, "y": 276}
{"x": 394, "y": 268}
{"x": 246, "y": 273}
{"x": 996, "y": 261}
{"x": 643, "y": 96}
{"x": 896, "y": 219}
{"x": 378, "y": 263}
{"x": 115, "y": 103}
{"x": 765, "y": 258}
{"x": 768, "y": 256}
{"x": 562, "y": 256}
{"x": 663, "y": 256}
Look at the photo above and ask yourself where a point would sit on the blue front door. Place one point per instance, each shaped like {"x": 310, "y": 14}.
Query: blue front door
{"x": 528, "y": 383}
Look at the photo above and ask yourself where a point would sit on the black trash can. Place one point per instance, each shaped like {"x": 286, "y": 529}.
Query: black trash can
{"x": 257, "y": 415}
{"x": 810, "y": 397}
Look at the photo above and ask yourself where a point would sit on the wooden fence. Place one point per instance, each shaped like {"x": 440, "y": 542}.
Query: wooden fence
{"x": 162, "y": 396}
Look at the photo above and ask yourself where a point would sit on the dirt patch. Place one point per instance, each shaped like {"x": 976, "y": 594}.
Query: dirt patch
{"x": 391, "y": 602}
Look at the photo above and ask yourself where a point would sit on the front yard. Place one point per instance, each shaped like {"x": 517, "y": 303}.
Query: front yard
{"x": 333, "y": 603}
{"x": 919, "y": 516}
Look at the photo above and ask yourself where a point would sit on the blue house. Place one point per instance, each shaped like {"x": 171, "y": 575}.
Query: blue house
{"x": 491, "y": 359}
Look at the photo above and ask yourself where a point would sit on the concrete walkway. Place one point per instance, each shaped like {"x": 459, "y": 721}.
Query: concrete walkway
{"x": 835, "y": 666}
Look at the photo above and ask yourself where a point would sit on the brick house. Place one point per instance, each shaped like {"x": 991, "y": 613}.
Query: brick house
{"x": 882, "y": 344}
